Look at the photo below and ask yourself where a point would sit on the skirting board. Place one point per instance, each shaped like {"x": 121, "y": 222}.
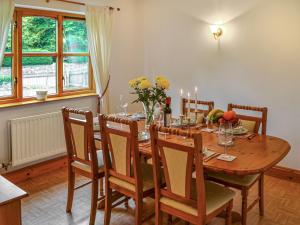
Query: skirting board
{"x": 285, "y": 173}
{"x": 36, "y": 170}
{"x": 61, "y": 162}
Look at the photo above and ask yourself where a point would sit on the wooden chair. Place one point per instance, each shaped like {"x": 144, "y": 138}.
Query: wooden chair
{"x": 83, "y": 158}
{"x": 194, "y": 200}
{"x": 209, "y": 105}
{"x": 244, "y": 183}
{"x": 124, "y": 172}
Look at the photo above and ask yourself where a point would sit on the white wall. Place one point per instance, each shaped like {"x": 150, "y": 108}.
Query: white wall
{"x": 126, "y": 63}
{"x": 255, "y": 63}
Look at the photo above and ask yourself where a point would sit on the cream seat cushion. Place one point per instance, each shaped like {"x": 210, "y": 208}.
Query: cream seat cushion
{"x": 216, "y": 196}
{"x": 233, "y": 179}
{"x": 147, "y": 175}
{"x": 249, "y": 125}
{"x": 87, "y": 168}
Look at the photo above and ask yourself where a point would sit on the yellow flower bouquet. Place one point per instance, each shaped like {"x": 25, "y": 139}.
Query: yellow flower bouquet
{"x": 148, "y": 94}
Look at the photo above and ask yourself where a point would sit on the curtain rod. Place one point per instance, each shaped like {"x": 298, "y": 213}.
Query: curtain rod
{"x": 78, "y": 3}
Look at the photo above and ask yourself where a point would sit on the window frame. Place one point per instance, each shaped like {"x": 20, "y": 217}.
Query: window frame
{"x": 17, "y": 54}
{"x": 13, "y": 55}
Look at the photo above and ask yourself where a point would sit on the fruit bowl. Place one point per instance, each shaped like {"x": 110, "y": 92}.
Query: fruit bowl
{"x": 217, "y": 117}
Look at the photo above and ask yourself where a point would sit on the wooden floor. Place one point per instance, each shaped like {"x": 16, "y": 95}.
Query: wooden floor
{"x": 47, "y": 201}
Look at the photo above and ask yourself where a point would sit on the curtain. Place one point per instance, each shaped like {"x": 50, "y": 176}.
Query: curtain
{"x": 99, "y": 28}
{"x": 6, "y": 14}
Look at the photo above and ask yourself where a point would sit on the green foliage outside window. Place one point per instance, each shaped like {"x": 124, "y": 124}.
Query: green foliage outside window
{"x": 39, "y": 35}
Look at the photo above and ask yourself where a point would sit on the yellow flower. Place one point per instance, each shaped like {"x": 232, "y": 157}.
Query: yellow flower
{"x": 133, "y": 83}
{"x": 144, "y": 84}
{"x": 162, "y": 82}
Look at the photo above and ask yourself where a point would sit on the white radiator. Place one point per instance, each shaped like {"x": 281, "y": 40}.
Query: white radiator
{"x": 36, "y": 137}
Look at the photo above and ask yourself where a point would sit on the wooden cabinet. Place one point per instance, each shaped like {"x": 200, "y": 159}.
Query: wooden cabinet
{"x": 10, "y": 203}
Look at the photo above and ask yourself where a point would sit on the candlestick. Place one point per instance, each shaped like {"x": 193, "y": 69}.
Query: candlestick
{"x": 196, "y": 99}
{"x": 189, "y": 102}
{"x": 181, "y": 102}
{"x": 181, "y": 119}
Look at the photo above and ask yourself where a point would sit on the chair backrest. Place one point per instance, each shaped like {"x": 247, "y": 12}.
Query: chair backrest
{"x": 179, "y": 161}
{"x": 209, "y": 105}
{"x": 252, "y": 123}
{"x": 79, "y": 136}
{"x": 120, "y": 149}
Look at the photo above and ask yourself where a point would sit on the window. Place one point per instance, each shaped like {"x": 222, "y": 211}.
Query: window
{"x": 75, "y": 53}
{"x": 52, "y": 55}
{"x": 39, "y": 67}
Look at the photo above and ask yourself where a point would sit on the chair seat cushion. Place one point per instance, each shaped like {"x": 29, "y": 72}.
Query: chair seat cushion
{"x": 233, "y": 179}
{"x": 86, "y": 167}
{"x": 147, "y": 175}
{"x": 216, "y": 197}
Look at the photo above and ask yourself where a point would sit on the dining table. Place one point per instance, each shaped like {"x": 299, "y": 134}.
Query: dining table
{"x": 257, "y": 155}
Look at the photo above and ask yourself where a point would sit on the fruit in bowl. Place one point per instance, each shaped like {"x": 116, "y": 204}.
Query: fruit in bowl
{"x": 218, "y": 116}
{"x": 229, "y": 117}
{"x": 214, "y": 115}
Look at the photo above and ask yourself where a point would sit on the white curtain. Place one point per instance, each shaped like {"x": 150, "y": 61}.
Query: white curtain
{"x": 99, "y": 28}
{"x": 6, "y": 14}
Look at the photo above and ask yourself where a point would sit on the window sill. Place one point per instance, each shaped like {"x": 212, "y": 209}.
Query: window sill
{"x": 50, "y": 99}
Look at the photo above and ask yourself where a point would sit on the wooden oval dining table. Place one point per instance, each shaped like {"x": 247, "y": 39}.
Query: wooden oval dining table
{"x": 253, "y": 156}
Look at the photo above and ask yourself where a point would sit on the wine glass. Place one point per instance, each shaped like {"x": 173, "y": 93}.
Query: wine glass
{"x": 123, "y": 105}
{"x": 207, "y": 122}
{"x": 225, "y": 137}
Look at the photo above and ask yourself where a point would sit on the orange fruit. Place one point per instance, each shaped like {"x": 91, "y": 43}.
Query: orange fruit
{"x": 230, "y": 115}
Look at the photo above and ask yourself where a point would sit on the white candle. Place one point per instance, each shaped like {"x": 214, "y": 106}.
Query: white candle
{"x": 189, "y": 102}
{"x": 181, "y": 102}
{"x": 196, "y": 98}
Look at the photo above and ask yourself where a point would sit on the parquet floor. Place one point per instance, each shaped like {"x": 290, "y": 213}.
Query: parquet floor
{"x": 47, "y": 201}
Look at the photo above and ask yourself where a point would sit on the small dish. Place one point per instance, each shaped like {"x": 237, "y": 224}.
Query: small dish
{"x": 41, "y": 95}
{"x": 240, "y": 130}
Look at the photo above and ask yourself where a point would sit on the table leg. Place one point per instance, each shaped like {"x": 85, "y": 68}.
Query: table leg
{"x": 236, "y": 216}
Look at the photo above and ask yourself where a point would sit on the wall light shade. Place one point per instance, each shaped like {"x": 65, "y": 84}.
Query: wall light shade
{"x": 217, "y": 31}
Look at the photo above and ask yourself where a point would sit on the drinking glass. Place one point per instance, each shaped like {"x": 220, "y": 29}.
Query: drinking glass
{"x": 207, "y": 122}
{"x": 225, "y": 136}
{"x": 123, "y": 105}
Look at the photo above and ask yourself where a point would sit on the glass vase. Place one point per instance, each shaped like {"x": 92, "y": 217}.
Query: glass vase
{"x": 149, "y": 113}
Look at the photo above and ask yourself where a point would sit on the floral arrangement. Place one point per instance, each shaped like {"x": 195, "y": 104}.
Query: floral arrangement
{"x": 150, "y": 95}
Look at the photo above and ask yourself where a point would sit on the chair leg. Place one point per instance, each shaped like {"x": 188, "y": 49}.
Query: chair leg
{"x": 244, "y": 206}
{"x": 101, "y": 186}
{"x": 228, "y": 219}
{"x": 108, "y": 203}
{"x": 94, "y": 199}
{"x": 261, "y": 195}
{"x": 158, "y": 214}
{"x": 71, "y": 186}
{"x": 138, "y": 211}
{"x": 170, "y": 219}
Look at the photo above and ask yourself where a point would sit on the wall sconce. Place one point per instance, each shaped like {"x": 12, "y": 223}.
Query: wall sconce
{"x": 217, "y": 31}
